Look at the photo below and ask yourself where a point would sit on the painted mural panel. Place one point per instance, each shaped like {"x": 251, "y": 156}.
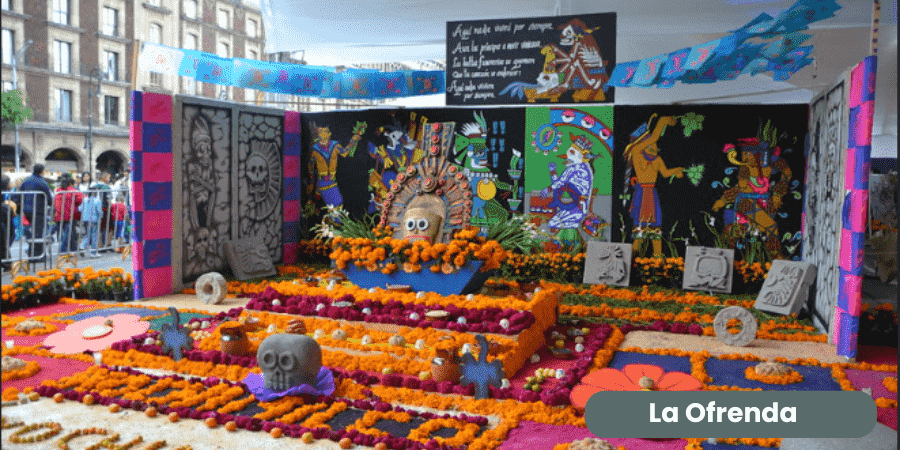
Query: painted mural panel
{"x": 824, "y": 200}
{"x": 258, "y": 179}
{"x": 206, "y": 188}
{"x": 569, "y": 168}
{"x": 354, "y": 156}
{"x": 715, "y": 175}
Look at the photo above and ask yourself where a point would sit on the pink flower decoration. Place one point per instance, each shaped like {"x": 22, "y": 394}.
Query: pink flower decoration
{"x": 71, "y": 340}
{"x": 627, "y": 380}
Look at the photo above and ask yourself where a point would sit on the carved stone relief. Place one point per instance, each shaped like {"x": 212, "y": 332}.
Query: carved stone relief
{"x": 259, "y": 179}
{"x": 824, "y": 201}
{"x": 249, "y": 259}
{"x": 607, "y": 263}
{"x": 206, "y": 188}
{"x": 748, "y": 326}
{"x": 708, "y": 269}
{"x": 786, "y": 289}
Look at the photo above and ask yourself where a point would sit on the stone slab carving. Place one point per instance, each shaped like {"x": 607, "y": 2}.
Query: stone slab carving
{"x": 748, "y": 326}
{"x": 211, "y": 288}
{"x": 786, "y": 289}
{"x": 249, "y": 258}
{"x": 607, "y": 263}
{"x": 708, "y": 269}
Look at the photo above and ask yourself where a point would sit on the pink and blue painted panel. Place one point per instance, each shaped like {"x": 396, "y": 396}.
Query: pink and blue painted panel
{"x": 859, "y": 149}
{"x": 151, "y": 193}
{"x": 292, "y": 210}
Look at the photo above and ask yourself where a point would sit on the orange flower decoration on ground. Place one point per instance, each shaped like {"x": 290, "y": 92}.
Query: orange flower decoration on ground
{"x": 633, "y": 377}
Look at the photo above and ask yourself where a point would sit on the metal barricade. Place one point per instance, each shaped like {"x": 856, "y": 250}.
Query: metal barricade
{"x": 33, "y": 245}
{"x": 75, "y": 224}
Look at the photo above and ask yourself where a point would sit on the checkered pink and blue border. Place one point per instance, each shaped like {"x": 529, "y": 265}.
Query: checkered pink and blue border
{"x": 856, "y": 203}
{"x": 292, "y": 210}
{"x": 151, "y": 193}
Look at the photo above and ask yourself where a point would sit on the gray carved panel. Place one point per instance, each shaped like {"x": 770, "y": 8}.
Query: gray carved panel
{"x": 249, "y": 258}
{"x": 708, "y": 269}
{"x": 786, "y": 288}
{"x": 206, "y": 188}
{"x": 607, "y": 263}
{"x": 258, "y": 179}
{"x": 823, "y": 205}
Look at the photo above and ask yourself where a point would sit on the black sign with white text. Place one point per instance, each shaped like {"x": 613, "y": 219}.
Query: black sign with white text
{"x": 561, "y": 59}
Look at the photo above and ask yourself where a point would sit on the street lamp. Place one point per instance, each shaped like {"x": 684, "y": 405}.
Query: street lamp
{"x": 15, "y": 64}
{"x": 89, "y": 146}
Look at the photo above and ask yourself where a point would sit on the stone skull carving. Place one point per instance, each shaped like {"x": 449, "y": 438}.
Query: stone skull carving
{"x": 202, "y": 243}
{"x": 420, "y": 224}
{"x": 257, "y": 176}
{"x": 289, "y": 360}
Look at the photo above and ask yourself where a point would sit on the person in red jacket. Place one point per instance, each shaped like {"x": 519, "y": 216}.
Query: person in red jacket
{"x": 65, "y": 204}
{"x": 118, "y": 210}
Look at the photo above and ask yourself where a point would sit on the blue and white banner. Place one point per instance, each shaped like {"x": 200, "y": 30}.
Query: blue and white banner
{"x": 285, "y": 78}
{"x": 728, "y": 57}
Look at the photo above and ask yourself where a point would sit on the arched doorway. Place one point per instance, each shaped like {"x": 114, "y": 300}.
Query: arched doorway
{"x": 62, "y": 160}
{"x": 112, "y": 162}
{"x": 8, "y": 158}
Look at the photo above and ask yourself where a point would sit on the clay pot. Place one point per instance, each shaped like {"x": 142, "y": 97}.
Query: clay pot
{"x": 447, "y": 371}
{"x": 234, "y": 341}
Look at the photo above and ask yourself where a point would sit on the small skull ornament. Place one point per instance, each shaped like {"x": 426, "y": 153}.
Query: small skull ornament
{"x": 257, "y": 176}
{"x": 289, "y": 360}
{"x": 420, "y": 224}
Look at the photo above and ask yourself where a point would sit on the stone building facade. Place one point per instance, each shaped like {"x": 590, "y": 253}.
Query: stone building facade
{"x": 71, "y": 38}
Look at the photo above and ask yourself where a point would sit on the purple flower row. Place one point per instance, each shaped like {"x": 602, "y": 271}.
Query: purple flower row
{"x": 394, "y": 312}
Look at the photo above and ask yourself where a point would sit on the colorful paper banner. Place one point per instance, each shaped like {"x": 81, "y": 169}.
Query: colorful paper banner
{"x": 285, "y": 78}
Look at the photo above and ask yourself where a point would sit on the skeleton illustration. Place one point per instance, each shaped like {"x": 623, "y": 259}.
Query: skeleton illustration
{"x": 612, "y": 265}
{"x": 201, "y": 175}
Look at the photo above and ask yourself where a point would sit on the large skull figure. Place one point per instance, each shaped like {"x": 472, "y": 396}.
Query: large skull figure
{"x": 420, "y": 224}
{"x": 289, "y": 360}
{"x": 257, "y": 176}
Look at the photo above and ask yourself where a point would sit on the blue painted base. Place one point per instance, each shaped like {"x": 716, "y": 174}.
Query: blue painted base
{"x": 465, "y": 281}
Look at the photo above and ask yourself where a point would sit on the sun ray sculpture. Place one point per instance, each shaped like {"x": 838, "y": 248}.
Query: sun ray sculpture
{"x": 432, "y": 198}
{"x": 174, "y": 337}
{"x": 482, "y": 373}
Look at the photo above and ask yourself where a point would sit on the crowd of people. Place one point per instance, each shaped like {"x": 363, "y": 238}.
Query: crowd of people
{"x": 82, "y": 215}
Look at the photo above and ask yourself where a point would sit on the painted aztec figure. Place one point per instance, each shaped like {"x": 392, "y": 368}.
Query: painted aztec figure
{"x": 576, "y": 64}
{"x": 400, "y": 152}
{"x": 473, "y": 154}
{"x": 557, "y": 209}
{"x": 644, "y": 166}
{"x": 752, "y": 203}
{"x": 324, "y": 160}
{"x": 571, "y": 191}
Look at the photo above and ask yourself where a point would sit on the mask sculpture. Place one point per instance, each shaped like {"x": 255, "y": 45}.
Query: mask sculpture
{"x": 289, "y": 360}
{"x": 421, "y": 224}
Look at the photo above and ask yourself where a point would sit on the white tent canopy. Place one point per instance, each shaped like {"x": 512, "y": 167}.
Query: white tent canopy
{"x": 364, "y": 31}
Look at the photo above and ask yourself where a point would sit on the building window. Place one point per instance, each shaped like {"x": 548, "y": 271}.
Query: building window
{"x": 7, "y": 86}
{"x": 190, "y": 9}
{"x": 110, "y": 21}
{"x": 61, "y": 11}
{"x": 6, "y": 4}
{"x": 112, "y": 66}
{"x": 111, "y": 110}
{"x": 223, "y": 50}
{"x": 64, "y": 105}
{"x": 9, "y": 46}
{"x": 157, "y": 3}
{"x": 63, "y": 57}
{"x": 156, "y": 79}
{"x": 156, "y": 33}
{"x": 191, "y": 42}
{"x": 224, "y": 20}
{"x": 251, "y": 28}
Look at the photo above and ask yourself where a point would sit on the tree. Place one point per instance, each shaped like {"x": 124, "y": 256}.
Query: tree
{"x": 14, "y": 109}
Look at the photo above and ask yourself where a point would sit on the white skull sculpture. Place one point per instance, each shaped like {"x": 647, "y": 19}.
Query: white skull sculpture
{"x": 289, "y": 360}
{"x": 257, "y": 176}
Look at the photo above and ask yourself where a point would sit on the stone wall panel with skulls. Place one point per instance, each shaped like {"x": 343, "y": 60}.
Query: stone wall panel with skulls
{"x": 259, "y": 178}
